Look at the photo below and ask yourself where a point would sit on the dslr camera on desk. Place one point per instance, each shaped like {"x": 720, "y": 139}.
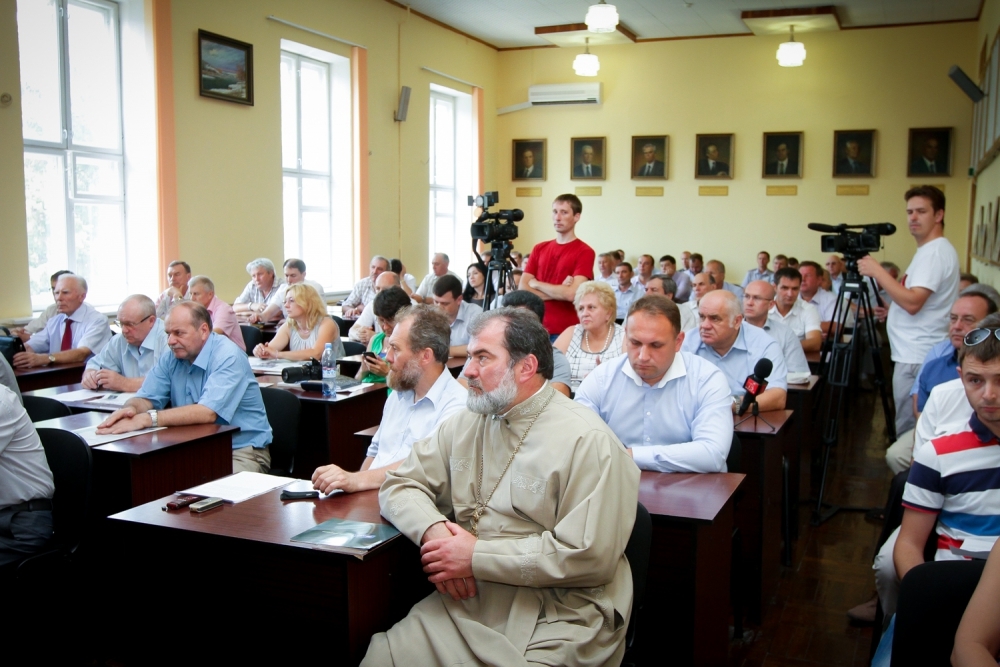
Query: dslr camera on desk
{"x": 310, "y": 377}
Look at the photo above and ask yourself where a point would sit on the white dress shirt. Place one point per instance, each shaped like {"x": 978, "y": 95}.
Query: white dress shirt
{"x": 24, "y": 470}
{"x": 253, "y": 294}
{"x": 90, "y": 330}
{"x": 366, "y": 320}
{"x": 426, "y": 288}
{"x": 460, "y": 327}
{"x": 689, "y": 320}
{"x": 824, "y": 301}
{"x": 795, "y": 357}
{"x": 404, "y": 422}
{"x": 683, "y": 423}
{"x": 128, "y": 360}
{"x": 801, "y": 318}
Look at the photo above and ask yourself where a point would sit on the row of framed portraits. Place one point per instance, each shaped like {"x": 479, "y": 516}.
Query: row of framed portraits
{"x": 929, "y": 152}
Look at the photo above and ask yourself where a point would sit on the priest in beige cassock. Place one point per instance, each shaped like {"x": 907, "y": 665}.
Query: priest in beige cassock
{"x": 522, "y": 505}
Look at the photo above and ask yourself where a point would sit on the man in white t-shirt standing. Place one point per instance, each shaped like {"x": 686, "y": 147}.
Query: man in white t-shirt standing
{"x": 921, "y": 300}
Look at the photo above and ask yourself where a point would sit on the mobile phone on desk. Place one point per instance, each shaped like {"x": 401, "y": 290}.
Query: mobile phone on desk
{"x": 298, "y": 495}
{"x": 180, "y": 502}
{"x": 206, "y": 504}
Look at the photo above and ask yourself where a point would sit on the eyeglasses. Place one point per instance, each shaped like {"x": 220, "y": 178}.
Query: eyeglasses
{"x": 754, "y": 297}
{"x": 977, "y": 336}
{"x": 131, "y": 325}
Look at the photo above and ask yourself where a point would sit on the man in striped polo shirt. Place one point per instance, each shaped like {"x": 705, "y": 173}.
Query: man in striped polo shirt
{"x": 952, "y": 488}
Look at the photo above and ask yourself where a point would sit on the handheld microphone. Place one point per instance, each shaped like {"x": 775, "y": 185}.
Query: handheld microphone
{"x": 755, "y": 384}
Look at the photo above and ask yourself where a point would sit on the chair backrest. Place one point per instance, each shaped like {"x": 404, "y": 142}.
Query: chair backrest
{"x": 351, "y": 348}
{"x": 40, "y": 408}
{"x": 282, "y": 409}
{"x": 252, "y": 337}
{"x": 70, "y": 462}
{"x": 343, "y": 325}
{"x": 637, "y": 552}
{"x": 734, "y": 462}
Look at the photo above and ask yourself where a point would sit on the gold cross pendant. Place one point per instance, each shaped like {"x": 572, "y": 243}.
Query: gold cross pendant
{"x": 476, "y": 513}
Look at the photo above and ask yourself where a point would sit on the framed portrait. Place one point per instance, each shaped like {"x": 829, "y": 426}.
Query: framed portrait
{"x": 588, "y": 157}
{"x": 528, "y": 160}
{"x": 649, "y": 157}
{"x": 930, "y": 151}
{"x": 782, "y": 155}
{"x": 225, "y": 68}
{"x": 854, "y": 153}
{"x": 714, "y": 154}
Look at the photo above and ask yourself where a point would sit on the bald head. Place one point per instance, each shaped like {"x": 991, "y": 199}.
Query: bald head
{"x": 385, "y": 280}
{"x": 722, "y": 299}
{"x": 758, "y": 297}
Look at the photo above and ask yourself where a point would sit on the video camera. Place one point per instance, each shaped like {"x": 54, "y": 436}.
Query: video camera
{"x": 853, "y": 244}
{"x": 494, "y": 227}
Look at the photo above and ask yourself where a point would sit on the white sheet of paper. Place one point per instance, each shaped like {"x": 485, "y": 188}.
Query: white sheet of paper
{"x": 79, "y": 395}
{"x": 89, "y": 433}
{"x": 239, "y": 487}
{"x": 113, "y": 398}
{"x": 800, "y": 377}
{"x": 271, "y": 366}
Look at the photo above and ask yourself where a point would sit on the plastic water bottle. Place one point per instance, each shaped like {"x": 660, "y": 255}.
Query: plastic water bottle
{"x": 329, "y": 362}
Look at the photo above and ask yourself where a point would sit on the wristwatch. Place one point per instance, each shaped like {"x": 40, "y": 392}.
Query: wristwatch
{"x": 153, "y": 417}
{"x": 52, "y": 358}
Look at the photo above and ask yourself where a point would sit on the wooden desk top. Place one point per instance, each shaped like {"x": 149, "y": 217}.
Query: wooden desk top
{"x": 265, "y": 518}
{"x": 778, "y": 419}
{"x": 687, "y": 496}
{"x": 52, "y": 392}
{"x": 269, "y": 380}
{"x": 813, "y": 357}
{"x": 144, "y": 443}
{"x": 813, "y": 381}
{"x": 51, "y": 368}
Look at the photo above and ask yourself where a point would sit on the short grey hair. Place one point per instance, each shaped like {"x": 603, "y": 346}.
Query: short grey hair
{"x": 429, "y": 329}
{"x": 261, "y": 263}
{"x": 523, "y": 335}
{"x": 669, "y": 286}
{"x": 204, "y": 281}
{"x": 146, "y": 306}
{"x": 199, "y": 313}
{"x": 444, "y": 256}
{"x": 380, "y": 258}
{"x": 81, "y": 282}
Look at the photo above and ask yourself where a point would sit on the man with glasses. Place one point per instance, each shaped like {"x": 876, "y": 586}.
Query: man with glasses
{"x": 758, "y": 298}
{"x": 950, "y": 488}
{"x": 123, "y": 363}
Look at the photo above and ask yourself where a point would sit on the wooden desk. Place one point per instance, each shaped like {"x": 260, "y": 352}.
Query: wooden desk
{"x": 75, "y": 406}
{"x": 759, "y": 515}
{"x": 686, "y": 605}
{"x": 801, "y": 399}
{"x": 238, "y": 561}
{"x": 327, "y": 425}
{"x": 813, "y": 358}
{"x": 53, "y": 375}
{"x": 136, "y": 470}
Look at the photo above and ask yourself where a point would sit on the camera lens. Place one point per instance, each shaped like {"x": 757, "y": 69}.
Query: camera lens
{"x": 294, "y": 374}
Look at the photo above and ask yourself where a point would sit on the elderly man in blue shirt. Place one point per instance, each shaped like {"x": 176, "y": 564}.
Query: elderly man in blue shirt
{"x": 123, "y": 363}
{"x": 207, "y": 380}
{"x": 669, "y": 408}
{"x": 424, "y": 395}
{"x": 735, "y": 347}
{"x": 75, "y": 333}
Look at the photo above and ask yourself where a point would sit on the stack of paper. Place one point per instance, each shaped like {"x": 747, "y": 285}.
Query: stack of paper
{"x": 271, "y": 366}
{"x": 239, "y": 487}
{"x": 90, "y": 435}
{"x": 116, "y": 399}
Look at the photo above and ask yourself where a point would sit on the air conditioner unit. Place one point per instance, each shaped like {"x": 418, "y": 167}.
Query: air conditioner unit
{"x": 564, "y": 93}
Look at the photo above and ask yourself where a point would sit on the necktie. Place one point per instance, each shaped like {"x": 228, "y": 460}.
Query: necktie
{"x": 933, "y": 169}
{"x": 588, "y": 171}
{"x": 781, "y": 168}
{"x": 527, "y": 172}
{"x": 649, "y": 170}
{"x": 67, "y": 341}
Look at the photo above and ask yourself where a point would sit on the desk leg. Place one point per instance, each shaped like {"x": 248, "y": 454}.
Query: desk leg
{"x": 759, "y": 518}
{"x": 686, "y": 605}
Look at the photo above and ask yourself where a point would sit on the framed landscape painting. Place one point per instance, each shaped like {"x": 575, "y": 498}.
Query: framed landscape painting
{"x": 225, "y": 68}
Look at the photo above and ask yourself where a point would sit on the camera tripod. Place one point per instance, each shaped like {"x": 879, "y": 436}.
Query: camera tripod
{"x": 836, "y": 365}
{"x": 501, "y": 266}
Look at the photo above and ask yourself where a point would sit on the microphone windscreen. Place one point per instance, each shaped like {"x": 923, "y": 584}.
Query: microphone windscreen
{"x": 763, "y": 368}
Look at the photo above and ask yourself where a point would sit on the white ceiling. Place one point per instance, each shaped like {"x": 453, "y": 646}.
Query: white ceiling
{"x": 511, "y": 23}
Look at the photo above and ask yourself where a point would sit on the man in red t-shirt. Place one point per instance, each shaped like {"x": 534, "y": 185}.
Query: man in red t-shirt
{"x": 556, "y": 268}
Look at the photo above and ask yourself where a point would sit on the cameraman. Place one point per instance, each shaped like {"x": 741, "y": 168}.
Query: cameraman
{"x": 556, "y": 268}
{"x": 918, "y": 314}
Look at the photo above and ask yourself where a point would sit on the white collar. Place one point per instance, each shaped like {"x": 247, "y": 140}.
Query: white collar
{"x": 677, "y": 370}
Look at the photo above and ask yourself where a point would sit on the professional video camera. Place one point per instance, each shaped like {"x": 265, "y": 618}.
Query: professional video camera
{"x": 497, "y": 226}
{"x": 853, "y": 245}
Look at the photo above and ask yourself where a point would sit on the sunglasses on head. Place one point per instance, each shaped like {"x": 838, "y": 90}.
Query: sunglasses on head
{"x": 977, "y": 336}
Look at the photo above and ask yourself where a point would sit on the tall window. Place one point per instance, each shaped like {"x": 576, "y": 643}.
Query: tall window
{"x": 316, "y": 163}
{"x": 73, "y": 146}
{"x": 451, "y": 161}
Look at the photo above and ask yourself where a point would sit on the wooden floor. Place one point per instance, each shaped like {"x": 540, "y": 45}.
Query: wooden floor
{"x": 805, "y": 621}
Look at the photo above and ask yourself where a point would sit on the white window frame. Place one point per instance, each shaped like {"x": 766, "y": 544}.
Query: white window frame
{"x": 459, "y": 243}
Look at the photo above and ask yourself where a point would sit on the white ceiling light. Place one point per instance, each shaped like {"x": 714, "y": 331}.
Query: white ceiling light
{"x": 601, "y": 17}
{"x": 586, "y": 64}
{"x": 791, "y": 53}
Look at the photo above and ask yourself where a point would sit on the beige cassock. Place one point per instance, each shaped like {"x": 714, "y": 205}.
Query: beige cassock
{"x": 554, "y": 586}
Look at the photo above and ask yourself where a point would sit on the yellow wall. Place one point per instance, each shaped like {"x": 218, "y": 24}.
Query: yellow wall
{"x": 14, "y": 297}
{"x": 887, "y": 79}
{"x": 229, "y": 156}
{"x": 988, "y": 182}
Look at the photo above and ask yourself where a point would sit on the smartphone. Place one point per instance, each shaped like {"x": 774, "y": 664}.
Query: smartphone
{"x": 298, "y": 495}
{"x": 181, "y": 501}
{"x": 206, "y": 504}
{"x": 371, "y": 356}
